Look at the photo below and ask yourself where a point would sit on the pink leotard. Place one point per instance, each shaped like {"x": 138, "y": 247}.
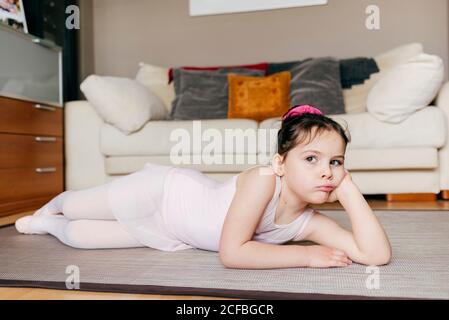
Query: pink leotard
{"x": 187, "y": 209}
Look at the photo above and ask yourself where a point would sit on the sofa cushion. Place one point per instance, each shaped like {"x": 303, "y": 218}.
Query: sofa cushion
{"x": 259, "y": 98}
{"x": 356, "y": 159}
{"x": 317, "y": 82}
{"x": 356, "y": 70}
{"x": 159, "y": 137}
{"x": 155, "y": 78}
{"x": 392, "y": 158}
{"x": 123, "y": 102}
{"x": 352, "y": 70}
{"x": 129, "y": 164}
{"x": 407, "y": 88}
{"x": 257, "y": 66}
{"x": 203, "y": 94}
{"x": 355, "y": 99}
{"x": 314, "y": 81}
{"x": 424, "y": 128}
{"x": 275, "y": 67}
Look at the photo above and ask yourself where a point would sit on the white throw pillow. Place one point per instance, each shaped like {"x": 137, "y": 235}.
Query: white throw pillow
{"x": 356, "y": 97}
{"x": 123, "y": 103}
{"x": 406, "y": 88}
{"x": 156, "y": 79}
{"x": 398, "y": 55}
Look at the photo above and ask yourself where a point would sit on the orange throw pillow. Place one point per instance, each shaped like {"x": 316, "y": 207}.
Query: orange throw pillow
{"x": 259, "y": 98}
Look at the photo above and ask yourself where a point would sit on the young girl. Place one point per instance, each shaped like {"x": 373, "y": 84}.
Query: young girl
{"x": 246, "y": 218}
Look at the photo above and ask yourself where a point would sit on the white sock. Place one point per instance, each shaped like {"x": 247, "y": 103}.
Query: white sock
{"x": 54, "y": 206}
{"x": 24, "y": 225}
{"x": 53, "y": 224}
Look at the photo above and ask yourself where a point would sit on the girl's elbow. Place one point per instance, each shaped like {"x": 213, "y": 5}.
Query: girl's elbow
{"x": 376, "y": 259}
{"x": 226, "y": 260}
{"x": 386, "y": 258}
{"x": 380, "y": 261}
{"x": 230, "y": 264}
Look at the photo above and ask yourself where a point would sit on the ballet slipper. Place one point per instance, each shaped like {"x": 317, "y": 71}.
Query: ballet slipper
{"x": 23, "y": 225}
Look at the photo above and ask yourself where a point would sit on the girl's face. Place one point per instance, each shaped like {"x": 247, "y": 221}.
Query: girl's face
{"x": 310, "y": 166}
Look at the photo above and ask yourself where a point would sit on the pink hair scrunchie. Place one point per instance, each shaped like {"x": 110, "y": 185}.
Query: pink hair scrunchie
{"x": 301, "y": 109}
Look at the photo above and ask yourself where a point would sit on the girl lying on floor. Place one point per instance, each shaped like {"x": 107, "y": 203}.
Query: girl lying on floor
{"x": 246, "y": 218}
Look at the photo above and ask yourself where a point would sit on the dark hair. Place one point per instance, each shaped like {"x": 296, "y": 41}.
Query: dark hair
{"x": 296, "y": 129}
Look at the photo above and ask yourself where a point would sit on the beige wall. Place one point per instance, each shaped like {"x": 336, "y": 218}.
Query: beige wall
{"x": 86, "y": 37}
{"x": 161, "y": 32}
{"x": 86, "y": 40}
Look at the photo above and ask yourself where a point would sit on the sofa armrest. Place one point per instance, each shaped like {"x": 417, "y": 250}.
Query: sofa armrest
{"x": 84, "y": 163}
{"x": 442, "y": 102}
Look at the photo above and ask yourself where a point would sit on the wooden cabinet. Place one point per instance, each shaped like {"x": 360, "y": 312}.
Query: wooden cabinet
{"x": 31, "y": 155}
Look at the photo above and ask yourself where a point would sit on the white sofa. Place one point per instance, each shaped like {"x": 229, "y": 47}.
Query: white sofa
{"x": 383, "y": 158}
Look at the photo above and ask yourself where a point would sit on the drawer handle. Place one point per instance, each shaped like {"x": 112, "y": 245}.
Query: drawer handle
{"x": 47, "y": 108}
{"x": 43, "y": 43}
{"x": 45, "y": 170}
{"x": 45, "y": 139}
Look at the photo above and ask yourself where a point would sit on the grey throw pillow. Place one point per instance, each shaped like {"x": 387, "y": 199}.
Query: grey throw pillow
{"x": 203, "y": 94}
{"x": 316, "y": 81}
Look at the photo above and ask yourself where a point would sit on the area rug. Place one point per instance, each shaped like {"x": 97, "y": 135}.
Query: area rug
{"x": 419, "y": 268}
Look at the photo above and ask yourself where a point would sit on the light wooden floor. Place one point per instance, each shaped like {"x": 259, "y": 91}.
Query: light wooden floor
{"x": 376, "y": 202}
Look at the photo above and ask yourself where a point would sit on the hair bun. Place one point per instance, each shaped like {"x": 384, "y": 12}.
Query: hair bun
{"x": 301, "y": 109}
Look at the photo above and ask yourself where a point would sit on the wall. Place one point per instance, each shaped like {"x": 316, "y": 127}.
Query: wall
{"x": 86, "y": 42}
{"x": 161, "y": 32}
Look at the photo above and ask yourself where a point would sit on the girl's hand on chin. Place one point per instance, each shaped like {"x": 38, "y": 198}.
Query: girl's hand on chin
{"x": 333, "y": 195}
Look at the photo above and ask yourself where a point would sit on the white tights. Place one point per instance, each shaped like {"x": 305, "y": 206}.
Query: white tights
{"x": 87, "y": 221}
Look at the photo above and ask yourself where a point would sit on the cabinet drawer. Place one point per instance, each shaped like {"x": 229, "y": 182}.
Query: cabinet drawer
{"x": 17, "y": 116}
{"x": 18, "y": 151}
{"x": 26, "y": 183}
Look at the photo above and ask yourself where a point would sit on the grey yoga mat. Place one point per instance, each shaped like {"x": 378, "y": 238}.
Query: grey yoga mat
{"x": 419, "y": 267}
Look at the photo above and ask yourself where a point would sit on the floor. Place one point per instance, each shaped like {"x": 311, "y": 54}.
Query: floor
{"x": 375, "y": 201}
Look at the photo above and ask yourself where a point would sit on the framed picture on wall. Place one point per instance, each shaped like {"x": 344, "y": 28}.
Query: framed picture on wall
{"x": 12, "y": 14}
{"x": 209, "y": 7}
